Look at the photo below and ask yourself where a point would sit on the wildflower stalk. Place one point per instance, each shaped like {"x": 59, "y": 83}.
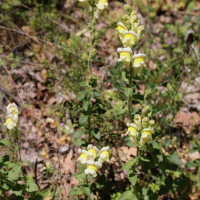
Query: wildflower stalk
{"x": 161, "y": 167}
{"x": 129, "y": 98}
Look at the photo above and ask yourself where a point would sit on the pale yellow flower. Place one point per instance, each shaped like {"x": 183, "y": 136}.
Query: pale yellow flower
{"x": 86, "y": 5}
{"x": 120, "y": 30}
{"x": 146, "y": 136}
{"x": 92, "y": 167}
{"x": 83, "y": 158}
{"x": 137, "y": 121}
{"x": 134, "y": 23}
{"x": 132, "y": 133}
{"x": 10, "y": 123}
{"x": 130, "y": 38}
{"x": 125, "y": 56}
{"x": 138, "y": 62}
{"x": 92, "y": 152}
{"x": 140, "y": 32}
{"x": 101, "y": 5}
{"x": 12, "y": 111}
{"x": 145, "y": 122}
{"x": 104, "y": 154}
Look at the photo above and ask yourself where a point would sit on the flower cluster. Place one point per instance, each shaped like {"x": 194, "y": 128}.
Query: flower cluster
{"x": 100, "y": 6}
{"x": 140, "y": 131}
{"x": 130, "y": 34}
{"x": 92, "y": 159}
{"x": 12, "y": 116}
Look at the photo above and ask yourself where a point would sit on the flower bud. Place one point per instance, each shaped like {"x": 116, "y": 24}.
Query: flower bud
{"x": 144, "y": 110}
{"x": 137, "y": 120}
{"x": 85, "y": 57}
{"x": 93, "y": 52}
{"x": 145, "y": 122}
{"x": 151, "y": 123}
{"x": 127, "y": 8}
{"x": 96, "y": 35}
{"x": 89, "y": 26}
{"x": 126, "y": 17}
{"x": 134, "y": 12}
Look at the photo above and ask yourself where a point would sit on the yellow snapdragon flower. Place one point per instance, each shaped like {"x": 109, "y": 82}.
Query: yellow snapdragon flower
{"x": 104, "y": 154}
{"x": 132, "y": 133}
{"x": 83, "y": 158}
{"x": 134, "y": 23}
{"x": 125, "y": 56}
{"x": 92, "y": 152}
{"x": 146, "y": 136}
{"x": 120, "y": 30}
{"x": 12, "y": 111}
{"x": 130, "y": 38}
{"x": 137, "y": 121}
{"x": 10, "y": 123}
{"x": 145, "y": 122}
{"x": 138, "y": 62}
{"x": 92, "y": 167}
{"x": 140, "y": 32}
{"x": 101, "y": 5}
{"x": 86, "y": 5}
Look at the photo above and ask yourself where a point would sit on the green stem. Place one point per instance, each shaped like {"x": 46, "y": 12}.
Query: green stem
{"x": 89, "y": 129}
{"x": 129, "y": 99}
{"x": 161, "y": 167}
{"x": 149, "y": 23}
{"x": 135, "y": 190}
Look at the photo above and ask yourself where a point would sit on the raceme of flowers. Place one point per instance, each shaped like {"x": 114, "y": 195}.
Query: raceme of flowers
{"x": 140, "y": 131}
{"x": 100, "y": 6}
{"x": 93, "y": 158}
{"x": 130, "y": 34}
{"x": 12, "y": 116}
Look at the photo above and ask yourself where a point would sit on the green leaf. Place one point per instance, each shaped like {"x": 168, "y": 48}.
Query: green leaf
{"x": 132, "y": 176}
{"x": 79, "y": 176}
{"x": 144, "y": 158}
{"x": 190, "y": 164}
{"x": 86, "y": 104}
{"x": 14, "y": 173}
{"x": 78, "y": 133}
{"x": 127, "y": 195}
{"x": 5, "y": 143}
{"x": 97, "y": 134}
{"x": 59, "y": 191}
{"x": 167, "y": 143}
{"x": 83, "y": 119}
{"x": 28, "y": 162}
{"x": 86, "y": 190}
{"x": 174, "y": 159}
{"x": 124, "y": 76}
{"x": 79, "y": 142}
{"x": 128, "y": 165}
{"x": 138, "y": 97}
{"x": 80, "y": 97}
{"x": 193, "y": 150}
{"x": 45, "y": 192}
{"x": 191, "y": 6}
{"x": 128, "y": 91}
{"x": 121, "y": 111}
{"x": 160, "y": 158}
{"x": 155, "y": 144}
{"x": 80, "y": 168}
{"x": 97, "y": 94}
{"x": 17, "y": 190}
{"x": 73, "y": 192}
{"x": 30, "y": 185}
